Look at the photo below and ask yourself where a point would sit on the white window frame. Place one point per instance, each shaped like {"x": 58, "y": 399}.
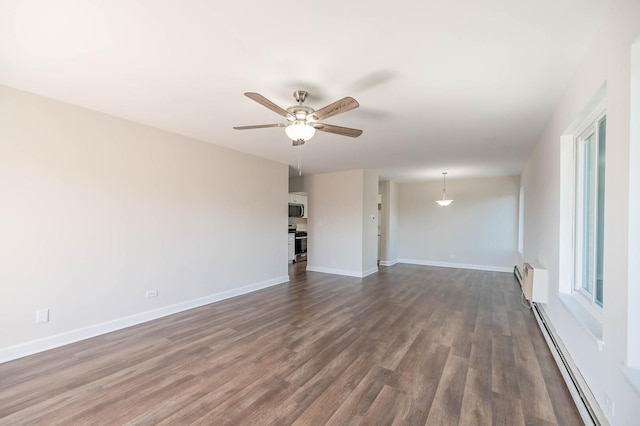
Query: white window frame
{"x": 586, "y": 313}
{"x": 588, "y": 127}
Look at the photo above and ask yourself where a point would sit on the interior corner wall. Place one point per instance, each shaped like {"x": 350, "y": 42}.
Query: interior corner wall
{"x": 383, "y": 220}
{"x": 606, "y": 61}
{"x": 97, "y": 210}
{"x": 521, "y": 201}
{"x": 479, "y": 230}
{"x": 389, "y": 224}
{"x": 392, "y": 247}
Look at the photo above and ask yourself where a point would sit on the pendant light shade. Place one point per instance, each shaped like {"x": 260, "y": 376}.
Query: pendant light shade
{"x": 444, "y": 202}
{"x": 300, "y": 131}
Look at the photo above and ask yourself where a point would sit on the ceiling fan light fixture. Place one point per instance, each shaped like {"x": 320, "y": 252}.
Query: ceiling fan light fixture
{"x": 300, "y": 131}
{"x": 444, "y": 202}
{"x": 303, "y": 120}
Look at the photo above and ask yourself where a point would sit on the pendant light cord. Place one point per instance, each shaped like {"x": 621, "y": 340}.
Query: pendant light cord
{"x": 444, "y": 185}
{"x": 444, "y": 202}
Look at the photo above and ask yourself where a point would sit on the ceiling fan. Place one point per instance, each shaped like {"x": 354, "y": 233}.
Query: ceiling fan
{"x": 303, "y": 121}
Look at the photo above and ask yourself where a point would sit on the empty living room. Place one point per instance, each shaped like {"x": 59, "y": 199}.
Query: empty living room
{"x": 459, "y": 183}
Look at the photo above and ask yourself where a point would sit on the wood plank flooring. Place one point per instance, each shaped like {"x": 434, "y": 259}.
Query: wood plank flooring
{"x": 410, "y": 345}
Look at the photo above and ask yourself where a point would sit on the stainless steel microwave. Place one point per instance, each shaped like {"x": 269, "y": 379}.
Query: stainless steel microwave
{"x": 296, "y": 210}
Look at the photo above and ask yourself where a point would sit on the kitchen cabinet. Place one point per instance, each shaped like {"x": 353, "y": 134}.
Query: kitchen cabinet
{"x": 295, "y": 199}
{"x": 292, "y": 247}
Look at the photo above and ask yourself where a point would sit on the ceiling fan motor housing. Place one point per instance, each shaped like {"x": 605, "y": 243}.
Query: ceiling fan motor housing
{"x": 300, "y": 112}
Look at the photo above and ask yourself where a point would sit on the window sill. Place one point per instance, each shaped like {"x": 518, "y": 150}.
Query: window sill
{"x": 633, "y": 377}
{"x": 591, "y": 324}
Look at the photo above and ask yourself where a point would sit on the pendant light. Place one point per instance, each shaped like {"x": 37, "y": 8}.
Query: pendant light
{"x": 444, "y": 202}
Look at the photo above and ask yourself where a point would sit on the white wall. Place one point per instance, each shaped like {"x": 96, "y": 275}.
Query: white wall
{"x": 633, "y": 342}
{"x": 370, "y": 222}
{"x": 606, "y": 61}
{"x": 478, "y": 230}
{"x": 337, "y": 231}
{"x": 383, "y": 220}
{"x": 97, "y": 210}
{"x": 335, "y": 225}
{"x": 389, "y": 224}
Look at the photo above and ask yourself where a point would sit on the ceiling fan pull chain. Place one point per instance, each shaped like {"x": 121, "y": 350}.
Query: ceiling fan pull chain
{"x": 300, "y": 160}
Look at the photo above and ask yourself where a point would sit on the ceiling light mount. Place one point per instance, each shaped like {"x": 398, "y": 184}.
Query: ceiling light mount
{"x": 444, "y": 202}
{"x": 300, "y": 96}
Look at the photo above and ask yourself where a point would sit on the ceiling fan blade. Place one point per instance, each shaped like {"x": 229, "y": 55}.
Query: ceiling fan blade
{"x": 344, "y": 131}
{"x": 338, "y": 107}
{"x": 266, "y": 102}
{"x": 260, "y": 126}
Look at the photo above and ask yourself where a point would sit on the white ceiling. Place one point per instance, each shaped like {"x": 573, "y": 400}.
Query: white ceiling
{"x": 463, "y": 85}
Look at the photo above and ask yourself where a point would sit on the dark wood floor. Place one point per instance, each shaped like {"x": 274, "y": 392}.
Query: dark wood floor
{"x": 410, "y": 345}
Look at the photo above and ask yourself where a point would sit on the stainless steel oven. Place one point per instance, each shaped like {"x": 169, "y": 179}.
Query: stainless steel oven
{"x": 301, "y": 246}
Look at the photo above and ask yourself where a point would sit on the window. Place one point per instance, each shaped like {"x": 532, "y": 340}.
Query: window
{"x": 590, "y": 156}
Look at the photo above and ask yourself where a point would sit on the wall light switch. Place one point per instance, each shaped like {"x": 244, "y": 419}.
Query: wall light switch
{"x": 609, "y": 403}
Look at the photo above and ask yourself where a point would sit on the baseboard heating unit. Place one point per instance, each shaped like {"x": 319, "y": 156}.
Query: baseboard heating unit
{"x": 580, "y": 392}
{"x": 518, "y": 273}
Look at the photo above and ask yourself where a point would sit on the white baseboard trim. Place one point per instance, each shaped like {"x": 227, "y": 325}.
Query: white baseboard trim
{"x": 345, "y": 272}
{"x": 388, "y": 262}
{"x": 369, "y": 272}
{"x": 457, "y": 265}
{"x": 50, "y": 342}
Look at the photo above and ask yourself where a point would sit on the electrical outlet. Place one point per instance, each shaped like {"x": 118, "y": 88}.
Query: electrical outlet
{"x": 609, "y": 403}
{"x": 452, "y": 256}
{"x": 42, "y": 316}
{"x": 152, "y": 293}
